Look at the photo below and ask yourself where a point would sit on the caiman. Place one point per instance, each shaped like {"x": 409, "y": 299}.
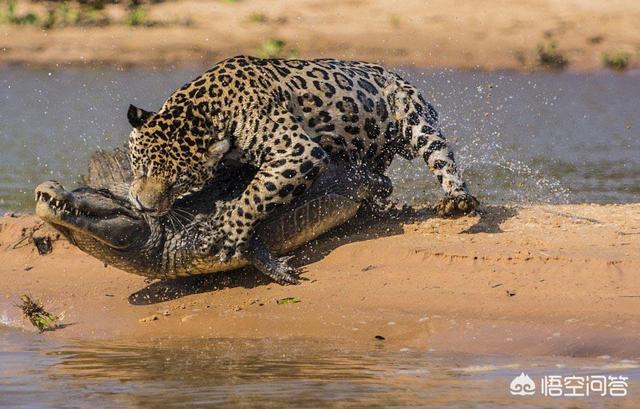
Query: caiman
{"x": 99, "y": 220}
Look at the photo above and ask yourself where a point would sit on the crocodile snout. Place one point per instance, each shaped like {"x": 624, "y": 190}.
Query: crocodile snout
{"x": 50, "y": 190}
{"x": 52, "y": 200}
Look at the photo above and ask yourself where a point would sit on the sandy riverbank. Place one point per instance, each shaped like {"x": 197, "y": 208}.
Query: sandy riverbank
{"x": 535, "y": 280}
{"x": 439, "y": 34}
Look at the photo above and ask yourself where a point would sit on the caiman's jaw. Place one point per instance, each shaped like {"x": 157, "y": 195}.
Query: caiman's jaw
{"x": 89, "y": 213}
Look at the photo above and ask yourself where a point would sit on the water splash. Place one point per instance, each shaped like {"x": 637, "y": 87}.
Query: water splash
{"x": 518, "y": 137}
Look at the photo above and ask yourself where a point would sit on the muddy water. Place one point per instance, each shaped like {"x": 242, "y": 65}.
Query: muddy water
{"x": 519, "y": 137}
{"x": 36, "y": 372}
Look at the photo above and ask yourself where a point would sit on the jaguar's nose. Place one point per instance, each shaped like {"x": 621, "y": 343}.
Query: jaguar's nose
{"x": 141, "y": 207}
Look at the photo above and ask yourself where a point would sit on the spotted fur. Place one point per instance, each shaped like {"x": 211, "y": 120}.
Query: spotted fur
{"x": 287, "y": 118}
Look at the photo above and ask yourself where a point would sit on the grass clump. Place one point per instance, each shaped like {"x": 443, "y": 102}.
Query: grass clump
{"x": 35, "y": 312}
{"x": 276, "y": 48}
{"x": 288, "y": 300}
{"x": 549, "y": 56}
{"x": 617, "y": 60}
{"x": 9, "y": 15}
{"x": 84, "y": 13}
{"x": 137, "y": 16}
{"x": 258, "y": 18}
{"x": 272, "y": 48}
{"x": 66, "y": 15}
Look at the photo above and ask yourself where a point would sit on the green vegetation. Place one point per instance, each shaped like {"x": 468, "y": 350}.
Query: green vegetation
{"x": 288, "y": 300}
{"x": 262, "y": 18}
{"x": 258, "y": 18}
{"x": 616, "y": 60}
{"x": 549, "y": 56}
{"x": 137, "y": 17}
{"x": 65, "y": 14}
{"x": 275, "y": 48}
{"x": 8, "y": 15}
{"x": 35, "y": 312}
{"x": 272, "y": 48}
{"x": 86, "y": 13}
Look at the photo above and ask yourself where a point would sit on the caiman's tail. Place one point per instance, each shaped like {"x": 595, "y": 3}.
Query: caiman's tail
{"x": 109, "y": 170}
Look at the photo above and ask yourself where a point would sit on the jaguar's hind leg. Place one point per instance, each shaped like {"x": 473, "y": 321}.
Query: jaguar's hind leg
{"x": 423, "y": 139}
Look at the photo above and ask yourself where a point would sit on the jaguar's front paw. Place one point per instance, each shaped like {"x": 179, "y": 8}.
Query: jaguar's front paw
{"x": 452, "y": 206}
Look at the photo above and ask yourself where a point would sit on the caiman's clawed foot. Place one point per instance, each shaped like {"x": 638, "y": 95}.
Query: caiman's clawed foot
{"x": 281, "y": 272}
{"x": 452, "y": 206}
{"x": 276, "y": 268}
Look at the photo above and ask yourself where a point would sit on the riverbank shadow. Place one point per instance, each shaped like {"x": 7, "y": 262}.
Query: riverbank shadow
{"x": 366, "y": 225}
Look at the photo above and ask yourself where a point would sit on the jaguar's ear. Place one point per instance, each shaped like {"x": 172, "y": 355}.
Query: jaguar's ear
{"x": 137, "y": 117}
{"x": 216, "y": 151}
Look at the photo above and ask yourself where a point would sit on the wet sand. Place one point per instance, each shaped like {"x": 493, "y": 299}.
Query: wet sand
{"x": 464, "y": 34}
{"x": 539, "y": 280}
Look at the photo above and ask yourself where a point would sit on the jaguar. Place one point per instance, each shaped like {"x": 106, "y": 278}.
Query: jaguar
{"x": 286, "y": 118}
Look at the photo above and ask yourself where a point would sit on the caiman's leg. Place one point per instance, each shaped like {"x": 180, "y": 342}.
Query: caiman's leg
{"x": 349, "y": 181}
{"x": 276, "y": 268}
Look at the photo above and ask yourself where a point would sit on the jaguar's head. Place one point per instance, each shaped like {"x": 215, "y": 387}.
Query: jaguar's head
{"x": 173, "y": 152}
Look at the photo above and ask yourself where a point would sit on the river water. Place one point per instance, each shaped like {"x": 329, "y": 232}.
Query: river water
{"x": 38, "y": 372}
{"x": 519, "y": 138}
